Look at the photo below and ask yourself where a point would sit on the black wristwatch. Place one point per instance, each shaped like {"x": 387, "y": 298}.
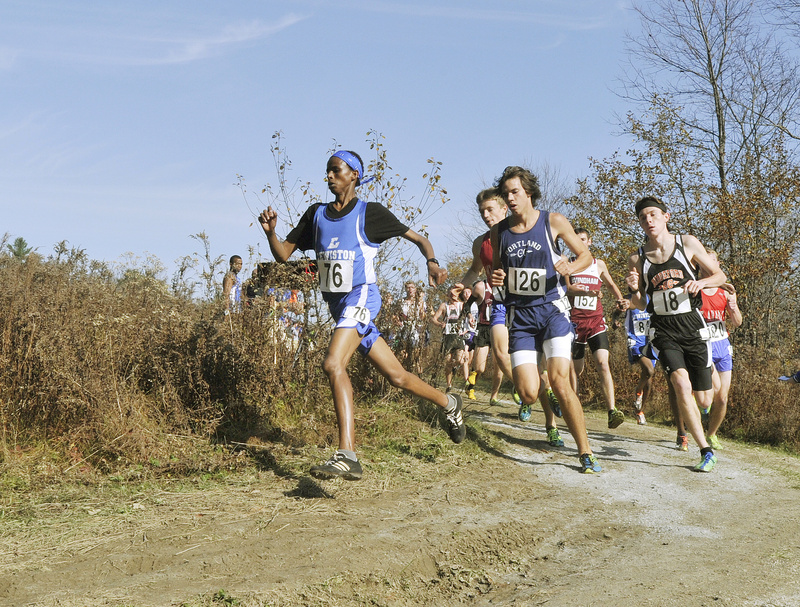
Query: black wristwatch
{"x": 432, "y": 259}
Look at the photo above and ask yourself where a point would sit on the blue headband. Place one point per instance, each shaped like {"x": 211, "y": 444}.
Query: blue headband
{"x": 352, "y": 161}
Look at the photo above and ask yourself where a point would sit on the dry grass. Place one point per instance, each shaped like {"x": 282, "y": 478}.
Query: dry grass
{"x": 102, "y": 367}
{"x": 109, "y": 373}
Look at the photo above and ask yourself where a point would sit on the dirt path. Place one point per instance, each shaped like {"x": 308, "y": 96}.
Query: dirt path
{"x": 519, "y": 526}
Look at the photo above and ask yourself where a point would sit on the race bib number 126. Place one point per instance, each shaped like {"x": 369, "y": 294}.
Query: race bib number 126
{"x": 526, "y": 281}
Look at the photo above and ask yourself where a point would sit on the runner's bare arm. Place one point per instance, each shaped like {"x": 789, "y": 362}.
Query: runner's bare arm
{"x": 560, "y": 227}
{"x": 734, "y": 314}
{"x": 498, "y": 274}
{"x": 474, "y": 272}
{"x": 635, "y": 282}
{"x": 436, "y": 316}
{"x": 608, "y": 281}
{"x": 697, "y": 255}
{"x": 227, "y": 285}
{"x": 281, "y": 249}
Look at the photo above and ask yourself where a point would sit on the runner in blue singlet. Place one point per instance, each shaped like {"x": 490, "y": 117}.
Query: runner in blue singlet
{"x": 346, "y": 234}
{"x": 232, "y": 286}
{"x": 529, "y": 275}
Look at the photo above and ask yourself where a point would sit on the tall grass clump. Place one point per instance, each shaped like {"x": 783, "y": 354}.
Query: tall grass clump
{"x": 105, "y": 364}
{"x": 108, "y": 363}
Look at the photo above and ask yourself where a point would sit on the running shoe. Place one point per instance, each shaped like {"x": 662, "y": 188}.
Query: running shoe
{"x": 615, "y": 418}
{"x": 682, "y": 442}
{"x": 554, "y": 438}
{"x": 638, "y": 403}
{"x": 338, "y": 466}
{"x": 493, "y": 402}
{"x": 524, "y": 413}
{"x": 713, "y": 441}
{"x": 589, "y": 464}
{"x": 473, "y": 376}
{"x": 704, "y": 416}
{"x": 455, "y": 420}
{"x": 707, "y": 463}
{"x": 517, "y": 398}
{"x": 471, "y": 394}
{"x": 640, "y": 417}
{"x": 554, "y": 404}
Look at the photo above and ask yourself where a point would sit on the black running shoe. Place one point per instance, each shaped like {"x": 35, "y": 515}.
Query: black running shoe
{"x": 455, "y": 420}
{"x": 338, "y": 466}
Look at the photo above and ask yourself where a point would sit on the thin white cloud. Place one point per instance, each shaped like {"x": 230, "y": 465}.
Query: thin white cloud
{"x": 231, "y": 36}
{"x": 12, "y": 127}
{"x": 103, "y": 46}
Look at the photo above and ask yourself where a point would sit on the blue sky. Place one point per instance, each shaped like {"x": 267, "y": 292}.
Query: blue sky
{"x": 123, "y": 126}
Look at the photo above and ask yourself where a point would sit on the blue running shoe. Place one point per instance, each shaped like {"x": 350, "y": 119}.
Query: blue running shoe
{"x": 524, "y": 412}
{"x": 554, "y": 404}
{"x": 589, "y": 464}
{"x": 554, "y": 438}
{"x": 707, "y": 464}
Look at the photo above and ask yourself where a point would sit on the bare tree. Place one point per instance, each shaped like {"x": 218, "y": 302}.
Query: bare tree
{"x": 723, "y": 64}
{"x": 788, "y": 13}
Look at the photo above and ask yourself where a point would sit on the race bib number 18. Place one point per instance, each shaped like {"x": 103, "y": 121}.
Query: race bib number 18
{"x": 336, "y": 276}
{"x": 526, "y": 281}
{"x": 671, "y": 301}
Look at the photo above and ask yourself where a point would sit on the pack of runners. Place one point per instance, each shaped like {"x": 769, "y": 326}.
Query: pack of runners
{"x": 533, "y": 297}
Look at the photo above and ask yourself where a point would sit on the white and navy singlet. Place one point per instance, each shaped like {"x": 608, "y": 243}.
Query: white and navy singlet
{"x": 529, "y": 261}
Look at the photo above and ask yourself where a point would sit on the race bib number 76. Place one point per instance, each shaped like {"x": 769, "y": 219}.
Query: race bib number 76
{"x": 336, "y": 276}
{"x": 358, "y": 313}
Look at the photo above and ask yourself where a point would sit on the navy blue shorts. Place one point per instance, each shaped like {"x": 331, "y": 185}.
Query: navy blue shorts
{"x": 529, "y": 328}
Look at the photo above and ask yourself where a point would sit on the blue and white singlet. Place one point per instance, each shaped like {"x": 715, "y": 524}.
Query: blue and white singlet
{"x": 345, "y": 256}
{"x": 235, "y": 294}
{"x": 637, "y": 324}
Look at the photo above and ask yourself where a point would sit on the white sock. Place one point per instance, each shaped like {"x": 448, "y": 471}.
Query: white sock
{"x": 348, "y": 454}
